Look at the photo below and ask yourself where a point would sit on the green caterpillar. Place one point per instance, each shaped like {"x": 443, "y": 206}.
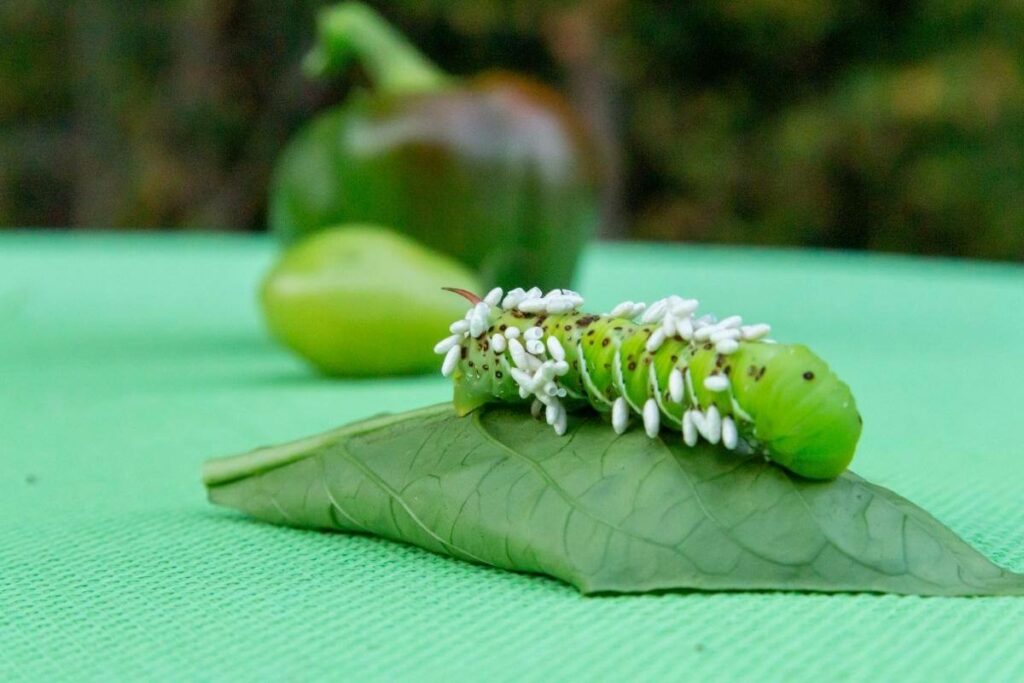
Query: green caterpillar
{"x": 716, "y": 379}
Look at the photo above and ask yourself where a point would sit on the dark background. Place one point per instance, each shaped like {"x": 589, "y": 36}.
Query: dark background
{"x": 891, "y": 126}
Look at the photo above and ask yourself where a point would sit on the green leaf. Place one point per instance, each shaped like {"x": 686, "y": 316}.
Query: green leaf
{"x": 603, "y": 512}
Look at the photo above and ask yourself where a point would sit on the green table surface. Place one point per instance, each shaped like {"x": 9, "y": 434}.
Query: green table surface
{"x": 126, "y": 361}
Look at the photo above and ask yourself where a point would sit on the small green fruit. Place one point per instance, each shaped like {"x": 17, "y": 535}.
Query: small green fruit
{"x": 364, "y": 300}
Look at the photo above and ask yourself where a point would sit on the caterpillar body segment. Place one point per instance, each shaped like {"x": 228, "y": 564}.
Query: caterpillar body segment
{"x": 666, "y": 371}
{"x": 805, "y": 416}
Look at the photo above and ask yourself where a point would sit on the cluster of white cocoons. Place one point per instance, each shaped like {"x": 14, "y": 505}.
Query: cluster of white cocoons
{"x": 534, "y": 301}
{"x": 537, "y": 363}
{"x": 675, "y": 318}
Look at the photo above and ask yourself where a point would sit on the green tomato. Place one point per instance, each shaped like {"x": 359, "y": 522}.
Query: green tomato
{"x": 364, "y": 300}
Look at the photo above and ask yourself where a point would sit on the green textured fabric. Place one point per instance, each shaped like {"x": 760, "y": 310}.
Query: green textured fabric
{"x": 126, "y": 361}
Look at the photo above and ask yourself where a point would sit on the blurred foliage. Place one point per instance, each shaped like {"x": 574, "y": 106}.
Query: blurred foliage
{"x": 896, "y": 126}
{"x": 893, "y": 126}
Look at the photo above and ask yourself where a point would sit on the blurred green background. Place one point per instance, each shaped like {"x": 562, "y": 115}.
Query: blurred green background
{"x": 894, "y": 126}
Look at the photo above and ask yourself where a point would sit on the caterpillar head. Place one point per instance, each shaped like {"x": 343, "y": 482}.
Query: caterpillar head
{"x": 803, "y": 412}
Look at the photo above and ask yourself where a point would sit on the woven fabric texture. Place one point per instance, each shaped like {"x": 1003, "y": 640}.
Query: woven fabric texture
{"x": 126, "y": 361}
